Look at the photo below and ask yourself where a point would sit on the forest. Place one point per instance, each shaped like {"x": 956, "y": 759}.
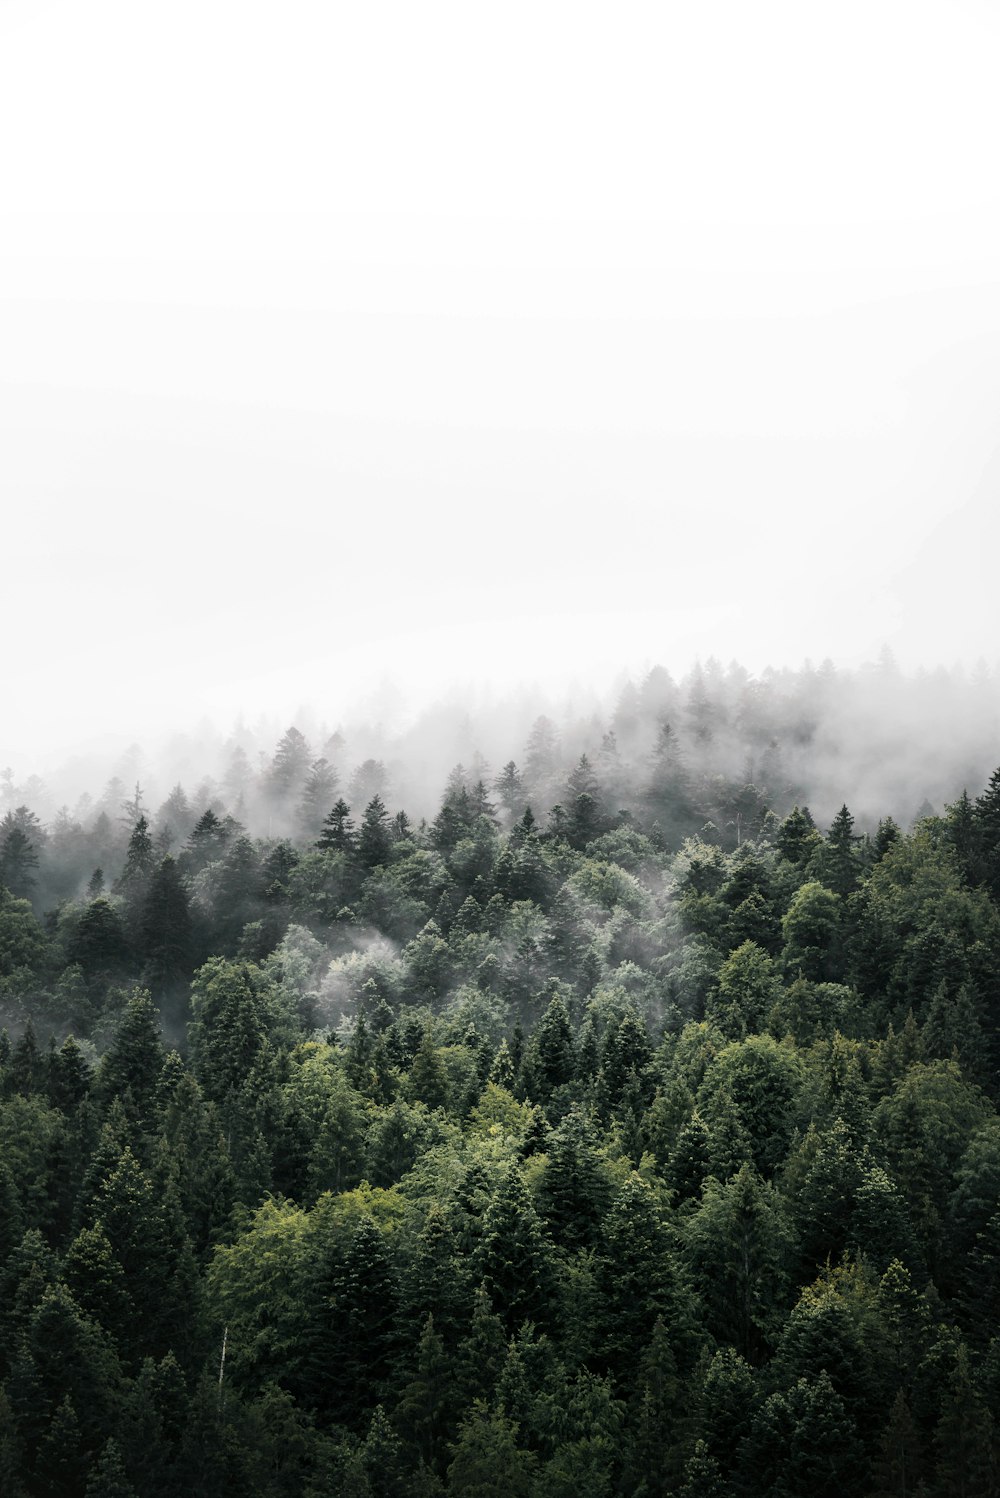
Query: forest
{"x": 615, "y": 1125}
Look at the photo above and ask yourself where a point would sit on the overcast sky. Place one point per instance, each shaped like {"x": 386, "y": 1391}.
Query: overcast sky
{"x": 487, "y": 342}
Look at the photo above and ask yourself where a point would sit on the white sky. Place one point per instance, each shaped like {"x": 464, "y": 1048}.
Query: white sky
{"x": 487, "y": 342}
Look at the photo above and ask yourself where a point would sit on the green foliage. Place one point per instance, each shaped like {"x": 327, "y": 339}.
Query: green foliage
{"x": 514, "y": 1259}
{"x": 739, "y": 1244}
{"x": 23, "y": 947}
{"x": 811, "y": 930}
{"x": 538, "y": 1161}
{"x": 234, "y": 1012}
{"x": 747, "y": 989}
{"x": 487, "y": 1461}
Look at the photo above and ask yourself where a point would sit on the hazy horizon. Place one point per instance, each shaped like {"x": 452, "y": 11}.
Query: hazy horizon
{"x": 370, "y": 347}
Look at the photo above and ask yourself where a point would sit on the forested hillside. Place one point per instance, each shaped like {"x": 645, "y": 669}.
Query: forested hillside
{"x": 615, "y": 1130}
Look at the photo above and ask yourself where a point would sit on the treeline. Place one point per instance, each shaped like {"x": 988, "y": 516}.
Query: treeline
{"x": 903, "y": 744}
{"x": 611, "y": 1149}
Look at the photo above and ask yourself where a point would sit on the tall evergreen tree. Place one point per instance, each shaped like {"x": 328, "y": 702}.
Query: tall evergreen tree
{"x": 317, "y": 796}
{"x": 374, "y": 842}
{"x": 165, "y": 931}
{"x": 514, "y": 1258}
{"x": 337, "y": 833}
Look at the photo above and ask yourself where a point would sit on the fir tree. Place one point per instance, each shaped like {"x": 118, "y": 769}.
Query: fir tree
{"x": 514, "y": 1257}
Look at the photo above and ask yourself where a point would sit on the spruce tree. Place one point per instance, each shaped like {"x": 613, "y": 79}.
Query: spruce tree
{"x": 349, "y": 1347}
{"x": 337, "y": 834}
{"x": 639, "y": 1279}
{"x": 374, "y": 843}
{"x": 165, "y": 932}
{"x": 108, "y": 1478}
{"x": 487, "y": 1462}
{"x": 514, "y": 1258}
{"x": 134, "y": 1061}
{"x": 574, "y": 1192}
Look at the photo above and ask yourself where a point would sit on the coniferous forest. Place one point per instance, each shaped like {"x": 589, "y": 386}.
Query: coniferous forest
{"x": 615, "y": 1126}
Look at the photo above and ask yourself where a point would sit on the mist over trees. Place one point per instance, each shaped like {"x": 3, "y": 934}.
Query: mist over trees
{"x": 618, "y": 1118}
{"x": 901, "y": 744}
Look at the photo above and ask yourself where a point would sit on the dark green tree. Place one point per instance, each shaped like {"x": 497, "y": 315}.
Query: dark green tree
{"x": 133, "y": 1062}
{"x": 374, "y": 842}
{"x": 349, "y": 1345}
{"x": 19, "y": 837}
{"x": 639, "y": 1279}
{"x": 514, "y": 1257}
{"x": 574, "y": 1193}
{"x": 165, "y": 932}
{"x": 487, "y": 1462}
{"x": 98, "y": 942}
{"x": 337, "y": 834}
{"x": 739, "y": 1245}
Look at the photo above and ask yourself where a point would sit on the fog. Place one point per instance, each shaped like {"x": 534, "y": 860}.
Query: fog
{"x": 885, "y": 742}
{"x": 360, "y": 359}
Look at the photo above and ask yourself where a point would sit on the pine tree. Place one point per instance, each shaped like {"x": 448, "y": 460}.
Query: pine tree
{"x": 191, "y": 1128}
{"x": 963, "y": 1439}
{"x": 133, "y": 1062}
{"x": 514, "y": 1257}
{"x": 886, "y": 837}
{"x": 30, "y": 1271}
{"x": 98, "y": 942}
{"x": 508, "y": 786}
{"x": 739, "y": 1245}
{"x": 165, "y": 931}
{"x": 574, "y": 1192}
{"x": 501, "y": 1071}
{"x": 583, "y": 801}
{"x": 487, "y": 1461}
{"x": 436, "y": 1282}
{"x": 138, "y": 857}
{"x": 18, "y": 852}
{"x": 337, "y": 834}
{"x": 107, "y": 1477}
{"x": 289, "y": 769}
{"x": 987, "y": 836}
{"x": 689, "y": 1164}
{"x": 702, "y": 1478}
{"x": 835, "y": 861}
{"x": 27, "y": 1065}
{"x": 232, "y": 1008}
{"x": 317, "y": 795}
{"x": 729, "y": 1402}
{"x": 804, "y": 1442}
{"x": 428, "y": 1081}
{"x": 898, "y": 1465}
{"x": 97, "y": 1283}
{"x": 481, "y": 1352}
{"x": 61, "y": 1457}
{"x": 11, "y": 1216}
{"x": 147, "y": 1239}
{"x": 550, "y": 1057}
{"x": 650, "y": 1455}
{"x": 384, "y": 1461}
{"x": 639, "y": 1280}
{"x": 668, "y": 795}
{"x": 206, "y": 844}
{"x": 797, "y": 836}
{"x": 66, "y": 1358}
{"x": 11, "y": 1455}
{"x": 374, "y": 843}
{"x": 625, "y": 1054}
{"x": 349, "y": 1348}
{"x": 425, "y": 1412}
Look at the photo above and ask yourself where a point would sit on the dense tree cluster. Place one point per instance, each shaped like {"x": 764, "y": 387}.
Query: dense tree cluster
{"x": 615, "y": 1131}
